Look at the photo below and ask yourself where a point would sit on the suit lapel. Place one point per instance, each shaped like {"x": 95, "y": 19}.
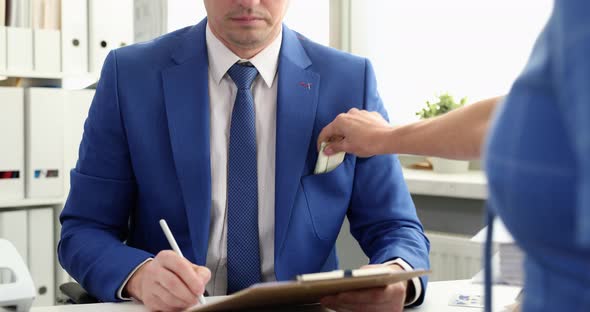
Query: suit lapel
{"x": 186, "y": 93}
{"x": 298, "y": 91}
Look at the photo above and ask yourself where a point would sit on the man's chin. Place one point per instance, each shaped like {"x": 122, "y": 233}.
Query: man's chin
{"x": 249, "y": 39}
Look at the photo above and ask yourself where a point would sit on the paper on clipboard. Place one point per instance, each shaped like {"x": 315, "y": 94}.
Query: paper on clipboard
{"x": 302, "y": 292}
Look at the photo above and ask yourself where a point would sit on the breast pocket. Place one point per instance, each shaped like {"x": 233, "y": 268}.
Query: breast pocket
{"x": 328, "y": 198}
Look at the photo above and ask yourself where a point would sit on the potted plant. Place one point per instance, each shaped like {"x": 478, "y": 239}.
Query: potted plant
{"x": 445, "y": 103}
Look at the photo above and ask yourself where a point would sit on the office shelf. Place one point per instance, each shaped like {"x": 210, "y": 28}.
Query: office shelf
{"x": 31, "y": 74}
{"x": 53, "y": 76}
{"x": 23, "y": 203}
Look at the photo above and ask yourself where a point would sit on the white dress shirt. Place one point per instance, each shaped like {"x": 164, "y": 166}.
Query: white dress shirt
{"x": 222, "y": 95}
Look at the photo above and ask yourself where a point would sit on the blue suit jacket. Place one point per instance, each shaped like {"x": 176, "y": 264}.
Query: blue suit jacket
{"x": 145, "y": 156}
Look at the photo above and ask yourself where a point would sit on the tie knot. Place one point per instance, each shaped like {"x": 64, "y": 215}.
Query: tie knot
{"x": 243, "y": 75}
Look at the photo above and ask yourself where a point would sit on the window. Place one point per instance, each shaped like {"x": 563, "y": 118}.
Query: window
{"x": 422, "y": 48}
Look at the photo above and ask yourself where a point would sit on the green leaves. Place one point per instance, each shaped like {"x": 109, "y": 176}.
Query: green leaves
{"x": 445, "y": 104}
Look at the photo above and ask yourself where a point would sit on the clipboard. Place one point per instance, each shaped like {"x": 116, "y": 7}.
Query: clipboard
{"x": 306, "y": 290}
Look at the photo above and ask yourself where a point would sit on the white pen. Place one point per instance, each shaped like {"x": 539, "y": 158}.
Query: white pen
{"x": 175, "y": 247}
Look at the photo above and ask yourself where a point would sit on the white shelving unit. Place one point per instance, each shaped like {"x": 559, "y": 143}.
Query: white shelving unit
{"x": 31, "y": 79}
{"x": 32, "y": 75}
{"x": 87, "y": 78}
{"x": 24, "y": 203}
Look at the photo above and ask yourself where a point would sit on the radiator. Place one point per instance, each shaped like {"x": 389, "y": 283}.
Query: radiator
{"x": 453, "y": 257}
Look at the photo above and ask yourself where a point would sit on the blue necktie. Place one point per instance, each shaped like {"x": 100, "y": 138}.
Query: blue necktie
{"x": 243, "y": 250}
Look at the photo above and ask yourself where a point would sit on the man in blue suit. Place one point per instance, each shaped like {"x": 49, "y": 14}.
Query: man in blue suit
{"x": 213, "y": 128}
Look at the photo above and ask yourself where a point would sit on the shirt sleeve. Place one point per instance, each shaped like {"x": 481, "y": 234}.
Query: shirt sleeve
{"x": 415, "y": 281}
{"x": 120, "y": 291}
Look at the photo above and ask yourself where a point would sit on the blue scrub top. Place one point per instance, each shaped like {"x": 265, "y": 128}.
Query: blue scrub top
{"x": 538, "y": 163}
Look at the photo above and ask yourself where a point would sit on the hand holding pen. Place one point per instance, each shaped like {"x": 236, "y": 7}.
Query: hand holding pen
{"x": 176, "y": 249}
{"x": 169, "y": 282}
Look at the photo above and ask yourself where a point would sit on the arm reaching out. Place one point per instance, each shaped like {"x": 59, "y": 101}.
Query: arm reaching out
{"x": 458, "y": 134}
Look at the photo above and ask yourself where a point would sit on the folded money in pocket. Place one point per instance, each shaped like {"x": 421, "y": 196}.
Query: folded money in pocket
{"x": 325, "y": 163}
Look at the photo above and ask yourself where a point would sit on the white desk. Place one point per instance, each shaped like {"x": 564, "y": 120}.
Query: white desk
{"x": 437, "y": 300}
{"x": 439, "y": 294}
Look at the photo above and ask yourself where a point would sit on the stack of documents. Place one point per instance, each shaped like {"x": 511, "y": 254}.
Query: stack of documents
{"x": 510, "y": 256}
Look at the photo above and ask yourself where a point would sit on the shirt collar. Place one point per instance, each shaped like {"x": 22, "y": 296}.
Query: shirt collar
{"x": 221, "y": 58}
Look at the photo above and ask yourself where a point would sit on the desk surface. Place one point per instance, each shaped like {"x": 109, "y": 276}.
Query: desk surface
{"x": 437, "y": 300}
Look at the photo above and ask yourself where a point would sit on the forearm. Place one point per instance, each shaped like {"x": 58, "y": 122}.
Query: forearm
{"x": 458, "y": 134}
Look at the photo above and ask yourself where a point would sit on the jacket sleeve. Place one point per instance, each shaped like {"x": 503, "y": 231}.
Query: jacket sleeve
{"x": 103, "y": 190}
{"x": 382, "y": 215}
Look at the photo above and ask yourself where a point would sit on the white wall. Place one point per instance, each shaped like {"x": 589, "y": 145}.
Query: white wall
{"x": 420, "y": 48}
{"x": 310, "y": 18}
{"x": 182, "y": 13}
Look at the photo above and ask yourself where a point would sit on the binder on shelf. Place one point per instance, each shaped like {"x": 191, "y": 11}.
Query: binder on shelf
{"x": 12, "y": 138}
{"x": 37, "y": 14}
{"x": 149, "y": 19}
{"x": 41, "y": 254}
{"x": 13, "y": 227}
{"x": 46, "y": 36}
{"x": 52, "y": 14}
{"x": 110, "y": 26}
{"x": 2, "y": 13}
{"x": 74, "y": 21}
{"x": 44, "y": 143}
{"x": 47, "y": 50}
{"x": 19, "y": 49}
{"x": 46, "y": 14}
{"x": 2, "y": 47}
{"x": 18, "y": 13}
{"x": 77, "y": 105}
{"x": 155, "y": 18}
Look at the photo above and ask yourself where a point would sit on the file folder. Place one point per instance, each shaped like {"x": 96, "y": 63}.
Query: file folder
{"x": 2, "y": 13}
{"x": 19, "y": 13}
{"x": 52, "y": 15}
{"x": 12, "y": 138}
{"x": 44, "y": 110}
{"x": 77, "y": 105}
{"x": 149, "y": 18}
{"x": 74, "y": 44}
{"x": 47, "y": 50}
{"x": 37, "y": 14}
{"x": 46, "y": 14}
{"x": 13, "y": 227}
{"x": 2, "y": 47}
{"x": 110, "y": 27}
{"x": 19, "y": 49}
{"x": 41, "y": 254}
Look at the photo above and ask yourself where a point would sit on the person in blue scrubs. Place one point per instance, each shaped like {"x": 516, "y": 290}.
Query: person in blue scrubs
{"x": 537, "y": 156}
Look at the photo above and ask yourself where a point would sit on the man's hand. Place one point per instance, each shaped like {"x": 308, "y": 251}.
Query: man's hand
{"x": 168, "y": 283}
{"x": 390, "y": 298}
{"x": 357, "y": 132}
